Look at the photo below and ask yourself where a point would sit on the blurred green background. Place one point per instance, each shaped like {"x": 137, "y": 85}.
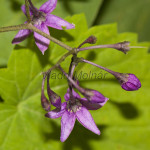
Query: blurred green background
{"x": 123, "y": 121}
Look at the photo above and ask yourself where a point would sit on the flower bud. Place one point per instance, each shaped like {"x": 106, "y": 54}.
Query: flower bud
{"x": 91, "y": 40}
{"x": 123, "y": 46}
{"x": 44, "y": 102}
{"x": 94, "y": 96}
{"x": 129, "y": 82}
{"x": 54, "y": 98}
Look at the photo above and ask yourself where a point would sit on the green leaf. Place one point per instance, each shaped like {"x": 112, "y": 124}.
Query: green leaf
{"x": 11, "y": 14}
{"x": 123, "y": 121}
{"x": 130, "y": 15}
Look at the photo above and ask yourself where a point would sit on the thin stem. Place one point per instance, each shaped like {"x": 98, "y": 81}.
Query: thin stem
{"x": 43, "y": 83}
{"x": 123, "y": 46}
{"x": 71, "y": 71}
{"x": 59, "y": 61}
{"x": 48, "y": 85}
{"x": 27, "y": 11}
{"x": 44, "y": 101}
{"x": 14, "y": 28}
{"x": 33, "y": 28}
{"x": 81, "y": 90}
{"x": 96, "y": 47}
{"x": 110, "y": 71}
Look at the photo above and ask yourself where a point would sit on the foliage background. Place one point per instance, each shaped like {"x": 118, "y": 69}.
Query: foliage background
{"x": 124, "y": 121}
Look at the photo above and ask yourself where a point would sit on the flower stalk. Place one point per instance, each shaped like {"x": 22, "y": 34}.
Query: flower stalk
{"x": 81, "y": 90}
{"x": 33, "y": 28}
{"x": 128, "y": 81}
{"x": 53, "y": 97}
{"x": 44, "y": 101}
{"x": 14, "y": 28}
{"x": 27, "y": 10}
{"x": 122, "y": 46}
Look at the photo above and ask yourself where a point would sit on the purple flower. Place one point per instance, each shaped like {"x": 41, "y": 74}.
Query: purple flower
{"x": 41, "y": 19}
{"x": 130, "y": 82}
{"x": 75, "y": 108}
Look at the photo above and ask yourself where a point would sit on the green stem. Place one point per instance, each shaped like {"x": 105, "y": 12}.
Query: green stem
{"x": 14, "y": 28}
{"x": 33, "y": 28}
{"x": 27, "y": 11}
{"x": 60, "y": 60}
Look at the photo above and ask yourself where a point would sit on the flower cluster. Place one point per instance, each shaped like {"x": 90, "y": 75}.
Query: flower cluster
{"x": 76, "y": 107}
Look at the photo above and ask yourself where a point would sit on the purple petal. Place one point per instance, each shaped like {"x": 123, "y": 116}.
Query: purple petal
{"x": 42, "y": 42}
{"x": 92, "y": 106}
{"x": 21, "y": 35}
{"x": 67, "y": 95}
{"x": 56, "y": 113}
{"x": 67, "y": 124}
{"x": 49, "y": 6}
{"x": 85, "y": 118}
{"x": 58, "y": 23}
{"x": 23, "y": 8}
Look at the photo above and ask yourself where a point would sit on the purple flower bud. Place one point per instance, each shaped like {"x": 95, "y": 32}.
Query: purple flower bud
{"x": 44, "y": 102}
{"x": 94, "y": 96}
{"x": 54, "y": 98}
{"x": 129, "y": 82}
{"x": 91, "y": 40}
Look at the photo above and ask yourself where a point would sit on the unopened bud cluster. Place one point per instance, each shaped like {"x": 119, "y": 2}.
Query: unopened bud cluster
{"x": 77, "y": 106}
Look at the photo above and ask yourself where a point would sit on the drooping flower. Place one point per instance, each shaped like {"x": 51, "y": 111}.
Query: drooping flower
{"x": 41, "y": 18}
{"x": 53, "y": 97}
{"x": 75, "y": 108}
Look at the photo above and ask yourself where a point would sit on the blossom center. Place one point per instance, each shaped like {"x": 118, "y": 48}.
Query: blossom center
{"x": 74, "y": 106}
{"x": 38, "y": 19}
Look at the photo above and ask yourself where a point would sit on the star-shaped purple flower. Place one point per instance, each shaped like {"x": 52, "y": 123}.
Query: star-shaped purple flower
{"x": 41, "y": 19}
{"x": 75, "y": 108}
